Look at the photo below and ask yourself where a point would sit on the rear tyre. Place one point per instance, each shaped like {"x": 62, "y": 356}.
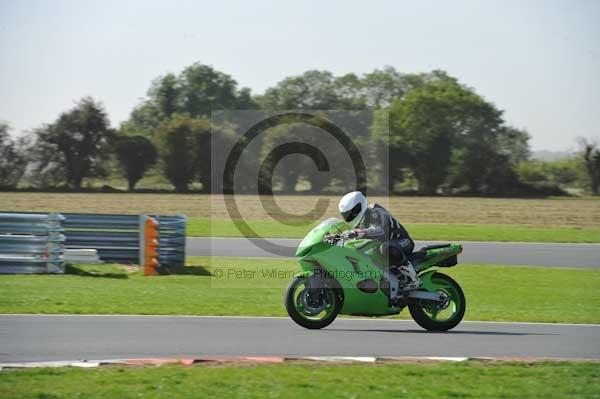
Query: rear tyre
{"x": 311, "y": 308}
{"x": 434, "y": 318}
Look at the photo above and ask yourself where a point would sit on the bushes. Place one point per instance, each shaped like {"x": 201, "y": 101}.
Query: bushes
{"x": 552, "y": 176}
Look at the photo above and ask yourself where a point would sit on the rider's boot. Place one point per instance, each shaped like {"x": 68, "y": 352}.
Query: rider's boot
{"x": 410, "y": 276}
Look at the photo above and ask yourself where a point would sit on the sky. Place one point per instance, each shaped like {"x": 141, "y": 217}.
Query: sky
{"x": 539, "y": 61}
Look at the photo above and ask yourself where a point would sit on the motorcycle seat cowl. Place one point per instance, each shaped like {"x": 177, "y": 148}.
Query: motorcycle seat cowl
{"x": 421, "y": 254}
{"x": 428, "y": 247}
{"x": 417, "y": 256}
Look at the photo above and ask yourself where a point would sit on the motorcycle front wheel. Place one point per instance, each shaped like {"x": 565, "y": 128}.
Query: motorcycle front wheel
{"x": 312, "y": 308}
{"x": 441, "y": 317}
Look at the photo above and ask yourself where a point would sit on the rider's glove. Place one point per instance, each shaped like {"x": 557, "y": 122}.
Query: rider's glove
{"x": 352, "y": 234}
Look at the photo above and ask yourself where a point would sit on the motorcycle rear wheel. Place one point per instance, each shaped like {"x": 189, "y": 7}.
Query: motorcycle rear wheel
{"x": 441, "y": 319}
{"x": 305, "y": 316}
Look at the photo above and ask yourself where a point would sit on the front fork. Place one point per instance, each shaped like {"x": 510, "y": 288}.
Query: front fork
{"x": 315, "y": 288}
{"x": 315, "y": 281}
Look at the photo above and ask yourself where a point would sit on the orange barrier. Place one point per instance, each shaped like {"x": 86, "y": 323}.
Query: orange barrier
{"x": 151, "y": 236}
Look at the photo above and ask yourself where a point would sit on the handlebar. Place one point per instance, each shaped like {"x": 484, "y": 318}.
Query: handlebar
{"x": 334, "y": 239}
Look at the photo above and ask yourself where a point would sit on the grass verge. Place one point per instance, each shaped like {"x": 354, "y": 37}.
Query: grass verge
{"x": 255, "y": 287}
{"x": 300, "y": 380}
{"x": 205, "y": 227}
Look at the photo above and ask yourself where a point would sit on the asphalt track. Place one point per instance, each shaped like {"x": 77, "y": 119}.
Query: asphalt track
{"x": 25, "y": 338}
{"x": 501, "y": 253}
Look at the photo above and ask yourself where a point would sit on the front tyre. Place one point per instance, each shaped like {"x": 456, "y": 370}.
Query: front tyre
{"x": 441, "y": 317}
{"x": 312, "y": 308}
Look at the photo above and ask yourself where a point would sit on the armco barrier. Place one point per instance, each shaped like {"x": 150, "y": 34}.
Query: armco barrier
{"x": 31, "y": 243}
{"x": 171, "y": 249}
{"x": 116, "y": 238}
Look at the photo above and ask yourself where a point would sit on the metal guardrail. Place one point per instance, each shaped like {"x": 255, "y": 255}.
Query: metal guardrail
{"x": 31, "y": 243}
{"x": 115, "y": 237}
{"x": 171, "y": 249}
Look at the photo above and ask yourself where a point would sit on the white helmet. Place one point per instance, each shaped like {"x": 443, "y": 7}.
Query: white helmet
{"x": 353, "y": 207}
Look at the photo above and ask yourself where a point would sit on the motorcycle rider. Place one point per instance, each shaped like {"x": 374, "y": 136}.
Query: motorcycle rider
{"x": 375, "y": 222}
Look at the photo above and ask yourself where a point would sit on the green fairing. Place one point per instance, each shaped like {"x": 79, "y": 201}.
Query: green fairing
{"x": 315, "y": 236}
{"x": 356, "y": 261}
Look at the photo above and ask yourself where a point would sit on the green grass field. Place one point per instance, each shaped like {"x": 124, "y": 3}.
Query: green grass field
{"x": 310, "y": 380}
{"x": 201, "y": 227}
{"x": 495, "y": 293}
{"x": 427, "y": 218}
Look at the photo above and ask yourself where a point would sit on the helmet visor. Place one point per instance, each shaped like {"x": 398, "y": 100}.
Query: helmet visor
{"x": 352, "y": 213}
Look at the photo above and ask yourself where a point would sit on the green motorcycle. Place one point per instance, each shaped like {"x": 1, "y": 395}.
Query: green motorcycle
{"x": 350, "y": 276}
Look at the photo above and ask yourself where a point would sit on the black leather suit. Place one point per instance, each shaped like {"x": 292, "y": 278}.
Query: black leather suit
{"x": 379, "y": 224}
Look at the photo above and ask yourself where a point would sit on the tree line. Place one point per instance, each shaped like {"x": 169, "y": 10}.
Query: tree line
{"x": 443, "y": 137}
